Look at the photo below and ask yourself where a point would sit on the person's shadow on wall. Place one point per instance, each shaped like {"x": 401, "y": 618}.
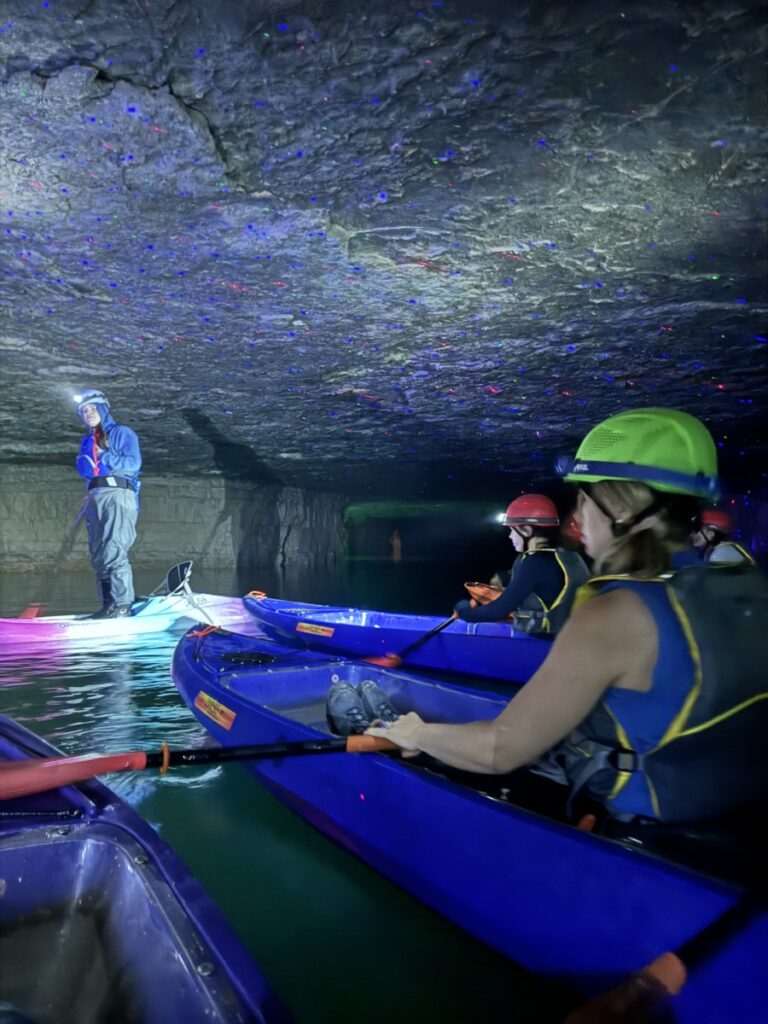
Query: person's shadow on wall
{"x": 253, "y": 524}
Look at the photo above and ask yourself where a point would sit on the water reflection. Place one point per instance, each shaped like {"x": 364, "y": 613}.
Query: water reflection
{"x": 92, "y": 698}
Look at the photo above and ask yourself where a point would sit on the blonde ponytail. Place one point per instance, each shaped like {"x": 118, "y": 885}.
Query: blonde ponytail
{"x": 646, "y": 549}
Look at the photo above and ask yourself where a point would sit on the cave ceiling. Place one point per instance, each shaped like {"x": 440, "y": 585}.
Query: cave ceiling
{"x": 389, "y": 249}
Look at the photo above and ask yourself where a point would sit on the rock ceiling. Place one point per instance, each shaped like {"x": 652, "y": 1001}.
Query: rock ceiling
{"x": 412, "y": 249}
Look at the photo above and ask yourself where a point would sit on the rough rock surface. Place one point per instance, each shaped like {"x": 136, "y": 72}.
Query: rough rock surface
{"x": 411, "y": 248}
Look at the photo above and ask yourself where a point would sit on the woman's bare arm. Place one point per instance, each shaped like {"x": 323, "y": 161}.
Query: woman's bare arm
{"x": 610, "y": 641}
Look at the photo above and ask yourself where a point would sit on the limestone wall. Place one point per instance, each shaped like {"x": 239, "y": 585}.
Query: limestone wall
{"x": 219, "y": 522}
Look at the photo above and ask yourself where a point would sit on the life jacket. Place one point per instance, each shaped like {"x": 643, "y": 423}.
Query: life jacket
{"x": 693, "y": 746}
{"x": 533, "y": 615}
{"x": 728, "y": 552}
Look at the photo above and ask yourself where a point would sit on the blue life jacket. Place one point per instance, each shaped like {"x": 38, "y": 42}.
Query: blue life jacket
{"x": 693, "y": 746}
{"x": 537, "y": 617}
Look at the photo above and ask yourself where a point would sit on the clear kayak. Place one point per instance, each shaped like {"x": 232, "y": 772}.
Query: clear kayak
{"x": 578, "y": 908}
{"x": 99, "y": 920}
{"x": 493, "y": 650}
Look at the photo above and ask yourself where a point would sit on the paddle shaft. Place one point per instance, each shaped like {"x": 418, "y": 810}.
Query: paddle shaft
{"x": 427, "y": 636}
{"x": 29, "y": 776}
{"x": 216, "y": 755}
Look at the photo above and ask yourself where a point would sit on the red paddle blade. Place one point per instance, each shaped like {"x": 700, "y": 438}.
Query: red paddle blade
{"x": 33, "y": 610}
{"x": 24, "y": 778}
{"x": 388, "y": 661}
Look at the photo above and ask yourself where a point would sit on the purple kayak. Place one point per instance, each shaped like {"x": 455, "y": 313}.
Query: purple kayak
{"x": 490, "y": 649}
{"x": 575, "y": 907}
{"x": 99, "y": 920}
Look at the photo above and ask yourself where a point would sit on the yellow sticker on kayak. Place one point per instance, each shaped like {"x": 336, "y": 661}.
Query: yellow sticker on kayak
{"x": 217, "y": 712}
{"x": 310, "y": 627}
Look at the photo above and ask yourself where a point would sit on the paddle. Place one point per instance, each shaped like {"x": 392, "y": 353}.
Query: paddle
{"x": 395, "y": 660}
{"x": 639, "y": 998}
{"x": 24, "y": 778}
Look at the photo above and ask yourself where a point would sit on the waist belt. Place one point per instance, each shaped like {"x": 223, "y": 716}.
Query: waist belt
{"x": 111, "y": 481}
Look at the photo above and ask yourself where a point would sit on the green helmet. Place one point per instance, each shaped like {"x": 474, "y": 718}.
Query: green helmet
{"x": 666, "y": 449}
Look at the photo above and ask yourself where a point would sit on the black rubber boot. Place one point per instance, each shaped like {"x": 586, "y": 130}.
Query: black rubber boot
{"x": 105, "y": 590}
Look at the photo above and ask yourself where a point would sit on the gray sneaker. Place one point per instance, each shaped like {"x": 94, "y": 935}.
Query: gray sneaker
{"x": 376, "y": 703}
{"x": 344, "y": 711}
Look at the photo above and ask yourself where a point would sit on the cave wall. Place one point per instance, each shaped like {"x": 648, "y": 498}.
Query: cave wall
{"x": 220, "y": 523}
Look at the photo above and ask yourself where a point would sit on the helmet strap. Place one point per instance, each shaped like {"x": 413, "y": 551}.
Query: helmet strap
{"x": 621, "y": 527}
{"x": 523, "y": 538}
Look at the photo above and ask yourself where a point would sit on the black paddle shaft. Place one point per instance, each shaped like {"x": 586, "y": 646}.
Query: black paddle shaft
{"x": 216, "y": 755}
{"x": 711, "y": 939}
{"x": 427, "y": 636}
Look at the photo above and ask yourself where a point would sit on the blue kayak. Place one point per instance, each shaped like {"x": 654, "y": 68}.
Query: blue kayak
{"x": 99, "y": 920}
{"x": 490, "y": 649}
{"x": 575, "y": 907}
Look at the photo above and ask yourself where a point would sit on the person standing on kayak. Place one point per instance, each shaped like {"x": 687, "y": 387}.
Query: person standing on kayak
{"x": 653, "y": 698}
{"x": 110, "y": 460}
{"x": 544, "y": 578}
{"x": 712, "y": 539}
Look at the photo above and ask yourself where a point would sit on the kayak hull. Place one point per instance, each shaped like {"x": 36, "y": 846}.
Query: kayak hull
{"x": 488, "y": 649}
{"x": 575, "y": 907}
{"x": 157, "y": 615}
{"x": 89, "y": 890}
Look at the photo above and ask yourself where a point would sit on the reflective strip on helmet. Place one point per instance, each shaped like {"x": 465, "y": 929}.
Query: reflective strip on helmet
{"x": 699, "y": 484}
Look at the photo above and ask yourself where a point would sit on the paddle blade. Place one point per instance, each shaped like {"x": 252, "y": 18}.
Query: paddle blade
{"x": 387, "y": 661}
{"x": 368, "y": 744}
{"x": 637, "y": 1000}
{"x": 24, "y": 778}
{"x": 34, "y": 610}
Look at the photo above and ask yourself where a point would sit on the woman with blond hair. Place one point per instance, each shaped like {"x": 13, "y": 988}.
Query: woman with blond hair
{"x": 652, "y": 699}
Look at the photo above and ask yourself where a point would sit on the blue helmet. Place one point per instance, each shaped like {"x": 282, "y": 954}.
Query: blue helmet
{"x": 92, "y": 396}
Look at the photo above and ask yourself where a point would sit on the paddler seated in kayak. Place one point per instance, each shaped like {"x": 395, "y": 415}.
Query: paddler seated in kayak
{"x": 652, "y": 700}
{"x": 544, "y": 578}
{"x": 711, "y": 539}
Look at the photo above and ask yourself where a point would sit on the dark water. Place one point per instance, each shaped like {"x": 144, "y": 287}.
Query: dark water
{"x": 338, "y": 942}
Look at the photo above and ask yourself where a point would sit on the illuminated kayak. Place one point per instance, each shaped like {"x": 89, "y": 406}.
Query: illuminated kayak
{"x": 575, "y": 907}
{"x": 99, "y": 920}
{"x": 490, "y": 649}
{"x": 156, "y": 615}
{"x": 179, "y": 607}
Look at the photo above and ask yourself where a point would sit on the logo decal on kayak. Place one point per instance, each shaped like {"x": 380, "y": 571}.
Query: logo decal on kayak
{"x": 212, "y": 709}
{"x": 310, "y": 627}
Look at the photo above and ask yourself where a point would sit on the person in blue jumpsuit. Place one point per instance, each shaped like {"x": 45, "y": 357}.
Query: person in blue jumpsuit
{"x": 110, "y": 462}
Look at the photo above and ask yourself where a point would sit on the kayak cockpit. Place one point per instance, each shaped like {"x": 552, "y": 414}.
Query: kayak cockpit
{"x": 89, "y": 932}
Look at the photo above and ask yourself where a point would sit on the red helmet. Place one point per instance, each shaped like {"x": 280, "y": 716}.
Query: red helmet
{"x": 531, "y": 510}
{"x": 717, "y": 518}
